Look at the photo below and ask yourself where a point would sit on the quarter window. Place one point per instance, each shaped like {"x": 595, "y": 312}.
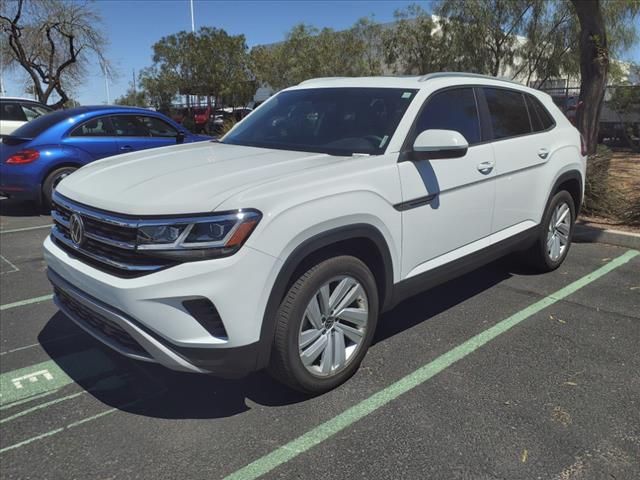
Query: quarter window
{"x": 508, "y": 111}
{"x": 540, "y": 117}
{"x": 453, "y": 109}
{"x": 12, "y": 112}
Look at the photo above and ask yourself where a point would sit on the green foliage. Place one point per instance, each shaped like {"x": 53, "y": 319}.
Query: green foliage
{"x": 308, "y": 52}
{"x": 207, "y": 63}
{"x": 132, "y": 98}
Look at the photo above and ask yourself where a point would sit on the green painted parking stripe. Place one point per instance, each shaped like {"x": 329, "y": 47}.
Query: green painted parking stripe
{"x": 44, "y": 377}
{"x": 369, "y": 405}
{"x": 28, "y": 301}
{"x": 25, "y": 229}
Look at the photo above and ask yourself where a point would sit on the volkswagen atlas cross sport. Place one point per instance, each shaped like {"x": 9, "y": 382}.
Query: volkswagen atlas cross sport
{"x": 279, "y": 246}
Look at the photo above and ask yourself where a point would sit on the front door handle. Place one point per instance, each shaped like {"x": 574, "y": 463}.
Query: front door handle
{"x": 485, "y": 167}
{"x": 543, "y": 153}
{"x": 126, "y": 148}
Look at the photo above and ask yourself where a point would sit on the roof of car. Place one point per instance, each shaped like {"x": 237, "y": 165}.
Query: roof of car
{"x": 414, "y": 82}
{"x": 21, "y": 99}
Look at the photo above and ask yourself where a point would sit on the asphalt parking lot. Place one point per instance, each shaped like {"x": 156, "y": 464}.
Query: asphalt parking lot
{"x": 501, "y": 374}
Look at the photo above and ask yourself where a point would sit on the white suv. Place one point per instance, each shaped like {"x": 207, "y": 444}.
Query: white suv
{"x": 279, "y": 245}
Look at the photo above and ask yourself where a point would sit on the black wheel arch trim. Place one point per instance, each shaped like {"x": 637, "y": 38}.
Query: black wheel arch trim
{"x": 568, "y": 175}
{"x": 295, "y": 259}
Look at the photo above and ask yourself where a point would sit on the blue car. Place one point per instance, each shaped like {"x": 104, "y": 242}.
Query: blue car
{"x": 36, "y": 156}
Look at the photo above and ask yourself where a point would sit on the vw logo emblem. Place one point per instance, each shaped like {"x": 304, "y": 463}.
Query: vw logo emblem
{"x": 76, "y": 229}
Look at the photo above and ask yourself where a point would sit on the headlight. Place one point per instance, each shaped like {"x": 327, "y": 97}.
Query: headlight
{"x": 197, "y": 237}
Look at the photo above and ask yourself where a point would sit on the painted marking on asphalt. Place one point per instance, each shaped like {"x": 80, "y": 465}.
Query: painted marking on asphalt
{"x": 52, "y": 375}
{"x": 109, "y": 383}
{"x": 81, "y": 422}
{"x": 11, "y": 266}
{"x": 28, "y": 301}
{"x": 25, "y": 229}
{"x": 369, "y": 405}
{"x": 27, "y": 400}
{"x": 53, "y": 340}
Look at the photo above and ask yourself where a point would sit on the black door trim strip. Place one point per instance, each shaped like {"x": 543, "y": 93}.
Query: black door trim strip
{"x": 415, "y": 203}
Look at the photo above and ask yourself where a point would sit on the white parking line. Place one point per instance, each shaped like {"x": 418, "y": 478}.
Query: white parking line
{"x": 28, "y": 301}
{"x": 14, "y": 268}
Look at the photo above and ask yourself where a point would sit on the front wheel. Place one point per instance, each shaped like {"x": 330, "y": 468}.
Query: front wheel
{"x": 325, "y": 325}
{"x": 52, "y": 181}
{"x": 556, "y": 232}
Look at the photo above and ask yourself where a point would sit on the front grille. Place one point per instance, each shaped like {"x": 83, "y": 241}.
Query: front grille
{"x": 109, "y": 244}
{"x": 98, "y": 323}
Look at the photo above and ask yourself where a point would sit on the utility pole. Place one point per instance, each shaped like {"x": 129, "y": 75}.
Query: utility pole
{"x": 193, "y": 22}
{"x": 134, "y": 81}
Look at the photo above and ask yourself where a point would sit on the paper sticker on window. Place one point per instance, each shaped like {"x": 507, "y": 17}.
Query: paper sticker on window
{"x": 384, "y": 141}
{"x": 406, "y": 95}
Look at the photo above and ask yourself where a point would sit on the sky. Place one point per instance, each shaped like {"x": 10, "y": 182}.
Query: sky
{"x": 133, "y": 26}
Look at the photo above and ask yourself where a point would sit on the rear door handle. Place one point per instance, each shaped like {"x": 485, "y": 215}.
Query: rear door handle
{"x": 485, "y": 167}
{"x": 543, "y": 153}
{"x": 126, "y": 148}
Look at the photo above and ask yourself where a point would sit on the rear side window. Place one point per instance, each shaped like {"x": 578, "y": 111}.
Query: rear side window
{"x": 508, "y": 111}
{"x": 541, "y": 119}
{"x": 453, "y": 109}
{"x": 98, "y": 127}
{"x": 12, "y": 112}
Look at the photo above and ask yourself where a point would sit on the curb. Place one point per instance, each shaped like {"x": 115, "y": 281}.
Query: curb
{"x": 589, "y": 234}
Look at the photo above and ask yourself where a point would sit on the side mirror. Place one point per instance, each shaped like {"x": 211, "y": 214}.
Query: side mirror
{"x": 432, "y": 144}
{"x": 180, "y": 137}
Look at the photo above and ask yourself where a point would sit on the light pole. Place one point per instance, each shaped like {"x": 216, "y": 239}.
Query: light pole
{"x": 193, "y": 22}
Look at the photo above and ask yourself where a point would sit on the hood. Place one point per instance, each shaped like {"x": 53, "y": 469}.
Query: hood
{"x": 182, "y": 179}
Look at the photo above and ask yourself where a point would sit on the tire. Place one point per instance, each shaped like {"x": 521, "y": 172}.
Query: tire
{"x": 51, "y": 181}
{"x": 553, "y": 242}
{"x": 346, "y": 341}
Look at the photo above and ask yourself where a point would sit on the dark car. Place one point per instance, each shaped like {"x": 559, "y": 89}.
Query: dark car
{"x": 36, "y": 156}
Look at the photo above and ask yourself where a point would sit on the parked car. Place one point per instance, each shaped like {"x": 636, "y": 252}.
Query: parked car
{"x": 226, "y": 115}
{"x": 35, "y": 157}
{"x": 15, "y": 112}
{"x": 280, "y": 245}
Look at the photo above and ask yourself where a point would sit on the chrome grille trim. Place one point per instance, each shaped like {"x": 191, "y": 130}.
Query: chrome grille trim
{"x": 109, "y": 240}
{"x": 65, "y": 240}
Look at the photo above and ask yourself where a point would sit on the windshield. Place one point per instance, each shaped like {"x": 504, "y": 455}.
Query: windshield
{"x": 336, "y": 121}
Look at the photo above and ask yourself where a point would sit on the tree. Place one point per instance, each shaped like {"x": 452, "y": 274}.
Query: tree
{"x": 159, "y": 87}
{"x": 594, "y": 67}
{"x": 52, "y": 41}
{"x": 600, "y": 22}
{"x": 207, "y": 63}
{"x": 409, "y": 45}
{"x": 132, "y": 98}
{"x": 485, "y": 29}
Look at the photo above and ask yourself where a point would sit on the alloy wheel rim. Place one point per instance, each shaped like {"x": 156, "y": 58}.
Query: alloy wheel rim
{"x": 558, "y": 232}
{"x": 334, "y": 326}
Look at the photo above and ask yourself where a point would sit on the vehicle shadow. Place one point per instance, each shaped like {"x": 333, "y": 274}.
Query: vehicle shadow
{"x": 19, "y": 208}
{"x": 150, "y": 390}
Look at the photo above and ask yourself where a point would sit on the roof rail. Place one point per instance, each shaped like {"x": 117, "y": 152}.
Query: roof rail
{"x": 320, "y": 79}
{"x": 430, "y": 76}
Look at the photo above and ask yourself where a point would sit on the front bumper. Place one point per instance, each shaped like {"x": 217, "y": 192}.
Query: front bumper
{"x": 144, "y": 317}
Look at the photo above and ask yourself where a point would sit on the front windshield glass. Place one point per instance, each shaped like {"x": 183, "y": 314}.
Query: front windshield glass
{"x": 336, "y": 121}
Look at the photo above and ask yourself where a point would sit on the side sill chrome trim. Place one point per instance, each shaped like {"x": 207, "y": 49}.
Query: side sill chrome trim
{"x": 415, "y": 203}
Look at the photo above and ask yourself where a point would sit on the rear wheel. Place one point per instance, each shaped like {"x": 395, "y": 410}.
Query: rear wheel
{"x": 554, "y": 240}
{"x": 51, "y": 182}
{"x": 325, "y": 325}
